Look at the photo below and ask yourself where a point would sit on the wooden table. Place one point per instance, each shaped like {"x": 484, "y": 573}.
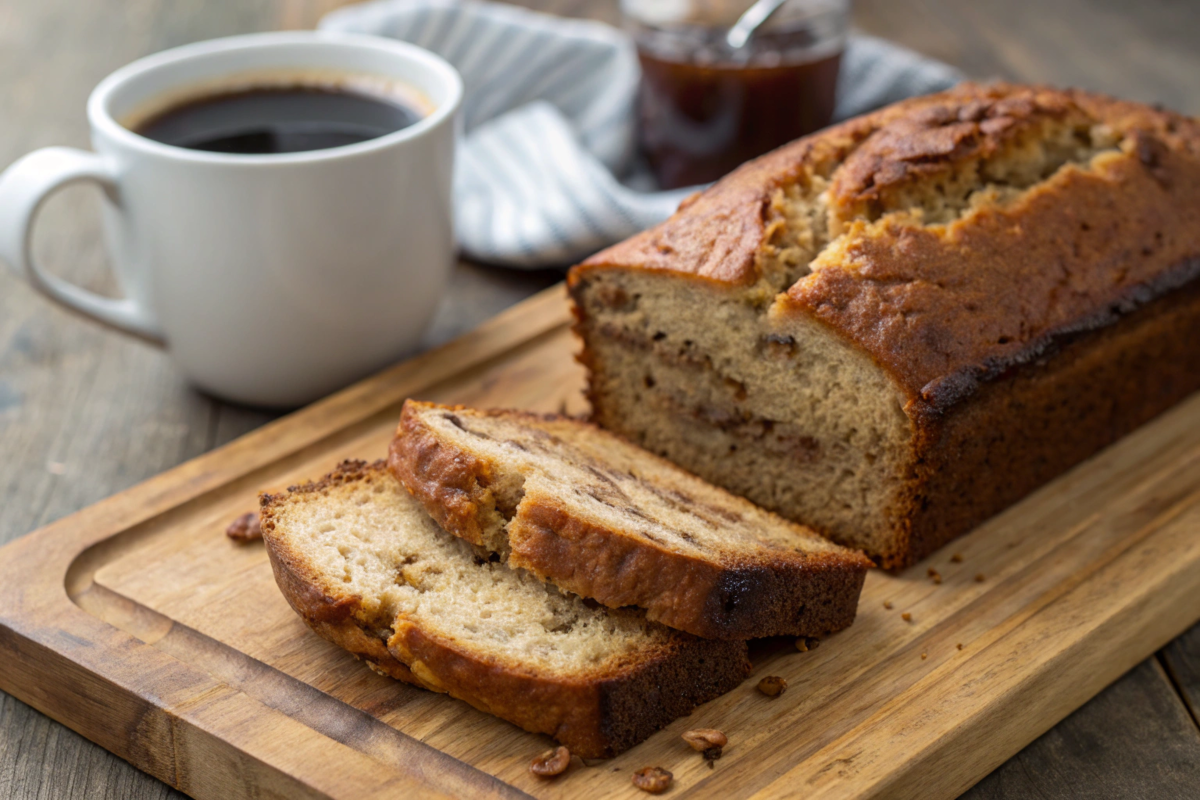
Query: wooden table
{"x": 85, "y": 412}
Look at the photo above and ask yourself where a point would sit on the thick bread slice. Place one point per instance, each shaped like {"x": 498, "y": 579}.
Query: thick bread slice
{"x": 363, "y": 564}
{"x": 604, "y": 519}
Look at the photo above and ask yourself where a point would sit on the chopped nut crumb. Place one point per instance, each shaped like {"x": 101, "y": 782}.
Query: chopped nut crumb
{"x": 772, "y": 685}
{"x": 907, "y": 617}
{"x": 806, "y": 643}
{"x": 924, "y": 656}
{"x": 933, "y": 573}
{"x": 956, "y": 558}
{"x": 887, "y": 604}
{"x": 979, "y": 577}
{"x": 246, "y": 528}
{"x": 551, "y": 763}
{"x": 959, "y": 645}
{"x": 654, "y": 780}
{"x": 708, "y": 741}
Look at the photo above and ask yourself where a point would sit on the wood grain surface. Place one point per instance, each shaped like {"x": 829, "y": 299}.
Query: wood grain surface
{"x": 85, "y": 412}
{"x": 137, "y": 623}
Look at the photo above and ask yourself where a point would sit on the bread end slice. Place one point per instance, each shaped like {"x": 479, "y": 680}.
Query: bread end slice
{"x": 367, "y": 569}
{"x": 597, "y": 516}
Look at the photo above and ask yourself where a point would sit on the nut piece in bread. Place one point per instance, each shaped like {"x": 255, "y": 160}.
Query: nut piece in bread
{"x": 363, "y": 564}
{"x": 583, "y": 509}
{"x": 894, "y": 328}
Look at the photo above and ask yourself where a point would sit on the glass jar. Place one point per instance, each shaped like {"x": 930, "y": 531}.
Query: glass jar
{"x": 704, "y": 107}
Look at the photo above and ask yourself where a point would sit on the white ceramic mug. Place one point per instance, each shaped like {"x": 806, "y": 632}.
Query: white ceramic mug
{"x": 270, "y": 279}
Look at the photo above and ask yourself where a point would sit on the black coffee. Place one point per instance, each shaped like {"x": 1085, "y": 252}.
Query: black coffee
{"x": 283, "y": 119}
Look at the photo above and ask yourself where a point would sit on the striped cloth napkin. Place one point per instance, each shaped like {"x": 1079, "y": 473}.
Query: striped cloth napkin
{"x": 543, "y": 175}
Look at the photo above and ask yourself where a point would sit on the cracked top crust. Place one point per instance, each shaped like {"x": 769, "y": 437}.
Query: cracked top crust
{"x": 961, "y": 234}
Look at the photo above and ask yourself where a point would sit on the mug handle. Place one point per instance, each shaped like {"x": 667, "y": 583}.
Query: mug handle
{"x": 27, "y": 184}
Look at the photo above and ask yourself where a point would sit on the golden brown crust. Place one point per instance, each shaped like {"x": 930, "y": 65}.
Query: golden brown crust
{"x": 931, "y": 138}
{"x": 907, "y": 296}
{"x": 1105, "y": 239}
{"x": 1035, "y": 422}
{"x": 717, "y": 601}
{"x": 596, "y": 716}
{"x": 452, "y": 485}
{"x": 785, "y": 593}
{"x": 716, "y": 234}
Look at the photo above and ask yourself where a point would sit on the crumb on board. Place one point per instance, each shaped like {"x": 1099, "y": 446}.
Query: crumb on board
{"x": 979, "y": 578}
{"x": 907, "y": 617}
{"x": 773, "y": 685}
{"x": 246, "y": 528}
{"x": 959, "y": 645}
{"x": 956, "y": 558}
{"x": 806, "y": 643}
{"x": 887, "y": 604}
{"x": 924, "y": 656}
{"x": 550, "y": 763}
{"x": 709, "y": 742}
{"x": 654, "y": 780}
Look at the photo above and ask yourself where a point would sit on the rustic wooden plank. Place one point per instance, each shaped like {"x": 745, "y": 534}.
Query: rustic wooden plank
{"x": 1181, "y": 658}
{"x": 40, "y": 758}
{"x": 107, "y": 412}
{"x": 1133, "y": 740}
{"x": 1067, "y": 572}
{"x": 1144, "y": 51}
{"x": 83, "y": 412}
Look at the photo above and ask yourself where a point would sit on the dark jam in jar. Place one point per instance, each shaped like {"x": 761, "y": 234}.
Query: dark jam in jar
{"x": 703, "y": 109}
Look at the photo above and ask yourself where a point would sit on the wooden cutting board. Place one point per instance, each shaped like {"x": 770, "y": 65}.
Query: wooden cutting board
{"x": 138, "y": 624}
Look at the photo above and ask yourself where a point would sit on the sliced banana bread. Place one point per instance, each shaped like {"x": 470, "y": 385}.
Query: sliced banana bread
{"x": 363, "y": 564}
{"x": 894, "y": 328}
{"x": 597, "y": 516}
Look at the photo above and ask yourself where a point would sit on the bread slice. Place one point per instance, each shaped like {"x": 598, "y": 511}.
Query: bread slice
{"x": 363, "y": 564}
{"x": 604, "y": 519}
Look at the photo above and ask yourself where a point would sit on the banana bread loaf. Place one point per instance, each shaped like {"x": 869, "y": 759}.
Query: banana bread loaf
{"x": 893, "y": 329}
{"x": 363, "y": 564}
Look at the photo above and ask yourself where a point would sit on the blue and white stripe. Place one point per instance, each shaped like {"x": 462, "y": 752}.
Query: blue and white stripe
{"x": 549, "y": 121}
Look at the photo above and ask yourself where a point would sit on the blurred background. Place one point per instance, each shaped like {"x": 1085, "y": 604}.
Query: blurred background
{"x": 85, "y": 412}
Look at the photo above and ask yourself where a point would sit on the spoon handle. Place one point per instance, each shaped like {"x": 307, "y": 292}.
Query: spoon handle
{"x": 749, "y": 22}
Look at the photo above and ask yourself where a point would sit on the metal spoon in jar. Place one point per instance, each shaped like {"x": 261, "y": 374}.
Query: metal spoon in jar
{"x": 749, "y": 22}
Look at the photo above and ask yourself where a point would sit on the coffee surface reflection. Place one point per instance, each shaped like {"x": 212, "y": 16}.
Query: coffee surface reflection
{"x": 278, "y": 119}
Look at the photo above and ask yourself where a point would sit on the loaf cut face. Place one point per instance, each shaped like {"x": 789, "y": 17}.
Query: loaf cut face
{"x": 604, "y": 519}
{"x": 892, "y": 329}
{"x": 368, "y": 569}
